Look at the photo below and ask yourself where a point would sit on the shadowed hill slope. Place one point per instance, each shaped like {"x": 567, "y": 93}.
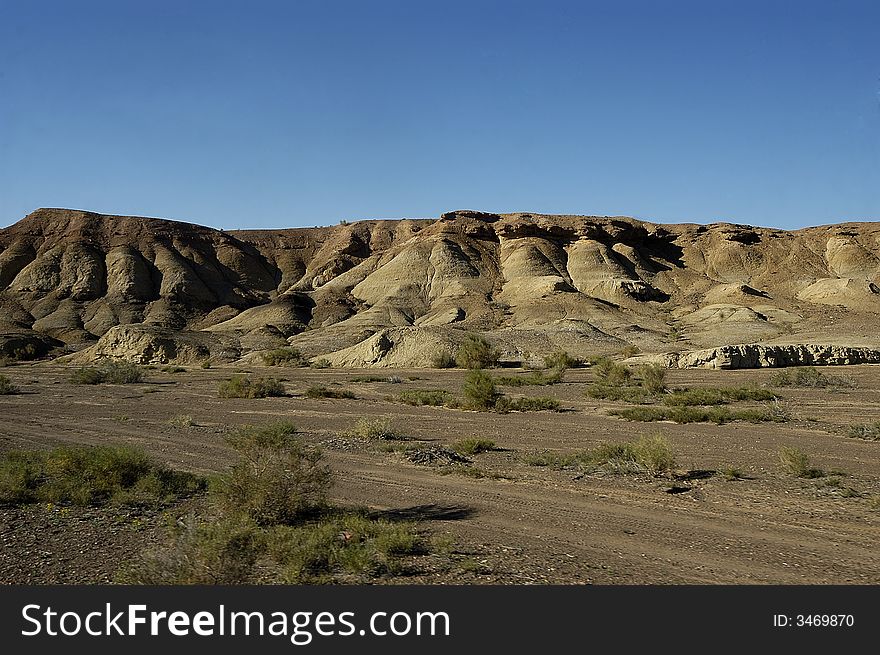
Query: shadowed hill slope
{"x": 161, "y": 290}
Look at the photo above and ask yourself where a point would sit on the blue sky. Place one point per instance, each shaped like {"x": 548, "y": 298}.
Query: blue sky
{"x": 275, "y": 114}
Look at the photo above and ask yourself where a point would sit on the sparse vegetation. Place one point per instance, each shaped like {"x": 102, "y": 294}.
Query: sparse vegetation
{"x": 716, "y": 396}
{"x": 443, "y": 359}
{"x": 91, "y": 475}
{"x": 653, "y": 378}
{"x": 7, "y": 388}
{"x": 560, "y": 361}
{"x": 474, "y": 446}
{"x": 391, "y": 379}
{"x": 322, "y": 362}
{"x": 241, "y": 386}
{"x": 535, "y": 378}
{"x": 526, "y": 404}
{"x": 181, "y": 421}
{"x": 270, "y": 522}
{"x": 718, "y": 415}
{"x": 808, "y": 377}
{"x": 795, "y": 461}
{"x": 479, "y": 389}
{"x": 475, "y": 352}
{"x": 109, "y": 372}
{"x": 283, "y": 357}
{"x": 633, "y": 395}
{"x": 377, "y": 427}
{"x": 609, "y": 372}
{"x": 867, "y": 431}
{"x": 652, "y": 455}
{"x": 321, "y": 391}
{"x": 433, "y": 397}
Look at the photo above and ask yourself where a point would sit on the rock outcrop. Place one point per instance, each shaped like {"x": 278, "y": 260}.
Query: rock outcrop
{"x": 775, "y": 356}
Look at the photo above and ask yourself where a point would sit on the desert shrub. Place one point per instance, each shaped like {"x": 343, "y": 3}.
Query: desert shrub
{"x": 321, "y": 391}
{"x": 91, "y": 475}
{"x": 109, "y": 372}
{"x": 808, "y": 377}
{"x": 651, "y": 455}
{"x": 629, "y": 351}
{"x": 535, "y": 378}
{"x": 7, "y": 388}
{"x": 377, "y": 427}
{"x": 418, "y": 397}
{"x": 181, "y": 421}
{"x": 474, "y": 446}
{"x": 173, "y": 369}
{"x": 634, "y": 395}
{"x": 322, "y": 362}
{"x": 443, "y": 359}
{"x": 283, "y": 357}
{"x": 278, "y": 479}
{"x": 526, "y": 404}
{"x": 206, "y": 364}
{"x": 718, "y": 415}
{"x": 25, "y": 353}
{"x": 867, "y": 431}
{"x": 653, "y": 378}
{"x": 717, "y": 396}
{"x": 240, "y": 386}
{"x": 475, "y": 352}
{"x": 561, "y": 360}
{"x": 610, "y": 372}
{"x": 795, "y": 461}
{"x": 479, "y": 389}
{"x": 393, "y": 379}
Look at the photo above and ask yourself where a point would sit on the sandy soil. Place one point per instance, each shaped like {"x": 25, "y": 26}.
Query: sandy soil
{"x": 534, "y": 525}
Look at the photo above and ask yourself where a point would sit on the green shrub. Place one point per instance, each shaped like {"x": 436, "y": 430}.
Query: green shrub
{"x": 475, "y": 352}
{"x": 867, "y": 431}
{"x": 278, "y": 479}
{"x": 526, "y": 404}
{"x": 418, "y": 397}
{"x": 91, "y": 475}
{"x": 474, "y": 446}
{"x": 181, "y": 421}
{"x": 479, "y": 389}
{"x": 323, "y": 362}
{"x": 716, "y": 396}
{"x": 651, "y": 455}
{"x": 443, "y": 359}
{"x": 377, "y": 427}
{"x": 796, "y": 462}
{"x": 321, "y": 391}
{"x": 240, "y": 386}
{"x": 808, "y": 377}
{"x": 561, "y": 360}
{"x": 717, "y": 415}
{"x": 7, "y": 388}
{"x": 653, "y": 378}
{"x": 109, "y": 372}
{"x": 283, "y": 357}
{"x": 609, "y": 372}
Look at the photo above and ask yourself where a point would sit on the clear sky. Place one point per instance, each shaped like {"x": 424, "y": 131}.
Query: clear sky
{"x": 274, "y": 114}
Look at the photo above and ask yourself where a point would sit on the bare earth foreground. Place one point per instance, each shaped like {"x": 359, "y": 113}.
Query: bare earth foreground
{"x": 520, "y": 524}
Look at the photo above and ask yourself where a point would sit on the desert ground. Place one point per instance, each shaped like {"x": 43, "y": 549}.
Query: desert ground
{"x": 727, "y": 513}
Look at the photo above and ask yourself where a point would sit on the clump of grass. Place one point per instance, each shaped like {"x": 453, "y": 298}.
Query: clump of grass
{"x": 109, "y": 372}
{"x": 322, "y": 362}
{"x": 7, "y": 388}
{"x": 535, "y": 378}
{"x": 718, "y": 415}
{"x": 321, "y": 391}
{"x": 609, "y": 372}
{"x": 526, "y": 404}
{"x": 732, "y": 473}
{"x": 206, "y": 364}
{"x": 241, "y": 386}
{"x": 474, "y": 446}
{"x": 795, "y": 461}
{"x": 808, "y": 377}
{"x": 283, "y": 357}
{"x": 391, "y": 379}
{"x": 717, "y": 396}
{"x": 653, "y": 378}
{"x": 181, "y": 421}
{"x": 91, "y": 475}
{"x": 629, "y": 350}
{"x": 867, "y": 431}
{"x": 419, "y": 397}
{"x": 377, "y": 427}
{"x": 560, "y": 361}
{"x": 479, "y": 389}
{"x": 443, "y": 359}
{"x": 652, "y": 455}
{"x": 475, "y": 352}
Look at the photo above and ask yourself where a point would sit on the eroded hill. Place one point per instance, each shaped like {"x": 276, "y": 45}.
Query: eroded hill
{"x": 393, "y": 292}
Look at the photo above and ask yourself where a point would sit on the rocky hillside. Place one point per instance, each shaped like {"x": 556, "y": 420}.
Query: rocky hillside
{"x": 393, "y": 292}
